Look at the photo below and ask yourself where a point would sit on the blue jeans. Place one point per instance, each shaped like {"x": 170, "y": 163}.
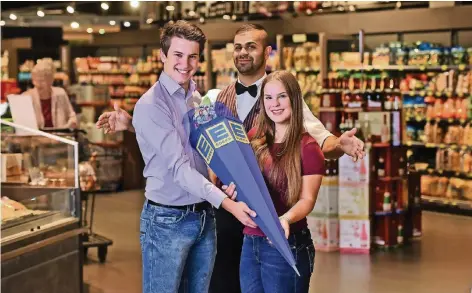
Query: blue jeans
{"x": 263, "y": 268}
{"x": 178, "y": 249}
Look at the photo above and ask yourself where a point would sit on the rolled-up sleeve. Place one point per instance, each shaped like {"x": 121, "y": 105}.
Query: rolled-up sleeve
{"x": 314, "y": 126}
{"x": 155, "y": 127}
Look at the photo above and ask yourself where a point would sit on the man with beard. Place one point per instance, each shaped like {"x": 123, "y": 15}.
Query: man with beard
{"x": 251, "y": 52}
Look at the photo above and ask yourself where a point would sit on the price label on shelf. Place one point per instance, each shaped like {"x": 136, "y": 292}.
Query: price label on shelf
{"x": 454, "y": 147}
{"x": 422, "y": 93}
{"x": 442, "y": 146}
{"x": 430, "y": 93}
{"x": 450, "y": 120}
{"x": 401, "y": 68}
{"x": 299, "y": 38}
{"x": 461, "y": 66}
{"x": 411, "y": 93}
{"x": 444, "y": 67}
{"x": 430, "y": 145}
{"x": 422, "y": 68}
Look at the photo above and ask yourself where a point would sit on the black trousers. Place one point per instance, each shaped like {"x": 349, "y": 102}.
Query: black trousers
{"x": 225, "y": 278}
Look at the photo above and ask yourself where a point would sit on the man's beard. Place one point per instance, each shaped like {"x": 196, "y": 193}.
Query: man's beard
{"x": 249, "y": 68}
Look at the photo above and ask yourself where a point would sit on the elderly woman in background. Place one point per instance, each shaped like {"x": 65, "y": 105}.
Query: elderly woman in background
{"x": 51, "y": 104}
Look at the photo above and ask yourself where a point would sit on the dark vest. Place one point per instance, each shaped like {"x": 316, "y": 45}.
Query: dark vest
{"x": 228, "y": 97}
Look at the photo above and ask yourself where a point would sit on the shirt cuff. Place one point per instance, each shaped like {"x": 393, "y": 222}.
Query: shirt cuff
{"x": 215, "y": 196}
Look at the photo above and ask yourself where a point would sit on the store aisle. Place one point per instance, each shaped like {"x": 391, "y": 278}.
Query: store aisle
{"x": 440, "y": 262}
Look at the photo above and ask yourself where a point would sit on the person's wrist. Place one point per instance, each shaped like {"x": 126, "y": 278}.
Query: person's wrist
{"x": 227, "y": 204}
{"x": 286, "y": 218}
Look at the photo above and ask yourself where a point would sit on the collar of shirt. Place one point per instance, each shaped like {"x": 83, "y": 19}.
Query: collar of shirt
{"x": 245, "y": 102}
{"x": 172, "y": 86}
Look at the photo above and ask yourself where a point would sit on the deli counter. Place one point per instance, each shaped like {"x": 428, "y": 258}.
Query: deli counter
{"x": 41, "y": 212}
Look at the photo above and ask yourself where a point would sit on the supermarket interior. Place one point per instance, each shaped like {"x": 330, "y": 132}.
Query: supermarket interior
{"x": 400, "y": 72}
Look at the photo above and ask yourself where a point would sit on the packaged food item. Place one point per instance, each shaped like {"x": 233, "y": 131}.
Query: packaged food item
{"x": 443, "y": 183}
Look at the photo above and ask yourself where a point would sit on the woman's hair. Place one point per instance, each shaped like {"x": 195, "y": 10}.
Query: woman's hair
{"x": 287, "y": 162}
{"x": 44, "y": 66}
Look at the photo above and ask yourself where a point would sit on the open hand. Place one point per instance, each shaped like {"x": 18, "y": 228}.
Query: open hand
{"x": 118, "y": 120}
{"x": 351, "y": 145}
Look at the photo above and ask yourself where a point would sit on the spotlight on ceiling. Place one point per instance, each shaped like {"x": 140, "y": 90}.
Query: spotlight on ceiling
{"x": 90, "y": 30}
{"x": 134, "y": 4}
{"x": 112, "y": 22}
{"x": 105, "y": 6}
{"x": 74, "y": 25}
{"x": 70, "y": 9}
{"x": 170, "y": 8}
{"x": 40, "y": 13}
{"x": 127, "y": 24}
{"x": 101, "y": 31}
{"x": 13, "y": 16}
{"x": 149, "y": 20}
{"x": 2, "y": 22}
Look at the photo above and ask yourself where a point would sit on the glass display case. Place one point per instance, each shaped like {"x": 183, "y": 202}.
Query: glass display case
{"x": 41, "y": 210}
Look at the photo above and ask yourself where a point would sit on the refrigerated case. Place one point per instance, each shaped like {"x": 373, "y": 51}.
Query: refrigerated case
{"x": 40, "y": 201}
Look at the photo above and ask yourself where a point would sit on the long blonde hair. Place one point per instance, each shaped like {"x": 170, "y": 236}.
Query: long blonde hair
{"x": 287, "y": 162}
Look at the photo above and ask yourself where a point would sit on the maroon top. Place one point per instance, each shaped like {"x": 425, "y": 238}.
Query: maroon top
{"x": 46, "y": 109}
{"x": 312, "y": 163}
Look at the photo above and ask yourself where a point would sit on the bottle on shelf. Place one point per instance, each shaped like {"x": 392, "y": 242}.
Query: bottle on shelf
{"x": 400, "y": 234}
{"x": 359, "y": 133}
{"x": 387, "y": 205}
{"x": 381, "y": 167}
{"x": 384, "y": 132}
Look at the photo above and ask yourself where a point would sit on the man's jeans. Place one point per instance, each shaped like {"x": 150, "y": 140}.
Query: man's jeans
{"x": 263, "y": 268}
{"x": 178, "y": 249}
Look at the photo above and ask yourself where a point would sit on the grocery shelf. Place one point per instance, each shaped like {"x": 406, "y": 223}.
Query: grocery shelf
{"x": 445, "y": 173}
{"x": 441, "y": 204}
{"x": 438, "y": 145}
{"x": 401, "y": 68}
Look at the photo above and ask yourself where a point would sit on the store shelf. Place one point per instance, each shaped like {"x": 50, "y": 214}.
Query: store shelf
{"x": 461, "y": 204}
{"x": 439, "y": 145}
{"x": 402, "y": 68}
{"x": 307, "y": 70}
{"x": 445, "y": 173}
{"x": 382, "y": 213}
{"x": 439, "y": 120}
{"x": 93, "y": 104}
{"x": 330, "y": 109}
{"x": 388, "y": 179}
{"x": 426, "y": 93}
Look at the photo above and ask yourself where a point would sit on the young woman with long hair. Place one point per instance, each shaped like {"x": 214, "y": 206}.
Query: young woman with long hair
{"x": 293, "y": 166}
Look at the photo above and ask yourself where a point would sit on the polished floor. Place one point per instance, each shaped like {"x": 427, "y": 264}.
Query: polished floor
{"x": 441, "y": 262}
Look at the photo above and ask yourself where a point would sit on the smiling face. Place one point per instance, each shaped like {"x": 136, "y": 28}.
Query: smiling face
{"x": 181, "y": 61}
{"x": 250, "y": 53}
{"x": 277, "y": 102}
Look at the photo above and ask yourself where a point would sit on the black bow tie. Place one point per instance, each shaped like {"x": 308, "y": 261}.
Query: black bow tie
{"x": 252, "y": 90}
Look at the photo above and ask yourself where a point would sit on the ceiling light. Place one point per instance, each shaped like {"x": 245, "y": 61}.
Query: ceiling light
{"x": 309, "y": 11}
{"x": 352, "y": 8}
{"x": 202, "y": 19}
{"x": 127, "y": 24}
{"x": 101, "y": 31}
{"x": 105, "y": 6}
{"x": 112, "y": 22}
{"x": 191, "y": 13}
{"x": 149, "y": 20}
{"x": 340, "y": 8}
{"x": 90, "y": 30}
{"x": 226, "y": 17}
{"x": 70, "y": 9}
{"x": 170, "y": 8}
{"x": 399, "y": 4}
{"x": 134, "y": 4}
{"x": 234, "y": 17}
{"x": 2, "y": 22}
{"x": 74, "y": 24}
{"x": 40, "y": 13}
{"x": 13, "y": 16}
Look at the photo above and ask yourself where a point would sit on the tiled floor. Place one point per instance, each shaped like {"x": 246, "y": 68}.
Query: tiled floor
{"x": 441, "y": 262}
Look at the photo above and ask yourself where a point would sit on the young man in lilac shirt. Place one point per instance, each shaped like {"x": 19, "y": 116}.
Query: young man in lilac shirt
{"x": 178, "y": 231}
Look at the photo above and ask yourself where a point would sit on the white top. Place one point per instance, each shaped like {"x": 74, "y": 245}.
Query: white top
{"x": 245, "y": 102}
{"x": 315, "y": 128}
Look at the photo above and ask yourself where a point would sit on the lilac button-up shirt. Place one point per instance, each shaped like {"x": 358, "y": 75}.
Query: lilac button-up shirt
{"x": 175, "y": 174}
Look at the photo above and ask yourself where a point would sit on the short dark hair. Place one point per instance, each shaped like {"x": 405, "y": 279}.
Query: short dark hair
{"x": 254, "y": 27}
{"x": 184, "y": 30}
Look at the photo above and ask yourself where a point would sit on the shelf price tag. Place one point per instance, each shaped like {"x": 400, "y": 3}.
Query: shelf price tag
{"x": 422, "y": 93}
{"x": 412, "y": 93}
{"x": 422, "y": 68}
{"x": 461, "y": 66}
{"x": 444, "y": 67}
{"x": 442, "y": 146}
{"x": 450, "y": 120}
{"x": 299, "y": 38}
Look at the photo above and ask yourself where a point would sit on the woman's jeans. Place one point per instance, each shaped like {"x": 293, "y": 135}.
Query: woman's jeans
{"x": 263, "y": 268}
{"x": 178, "y": 249}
